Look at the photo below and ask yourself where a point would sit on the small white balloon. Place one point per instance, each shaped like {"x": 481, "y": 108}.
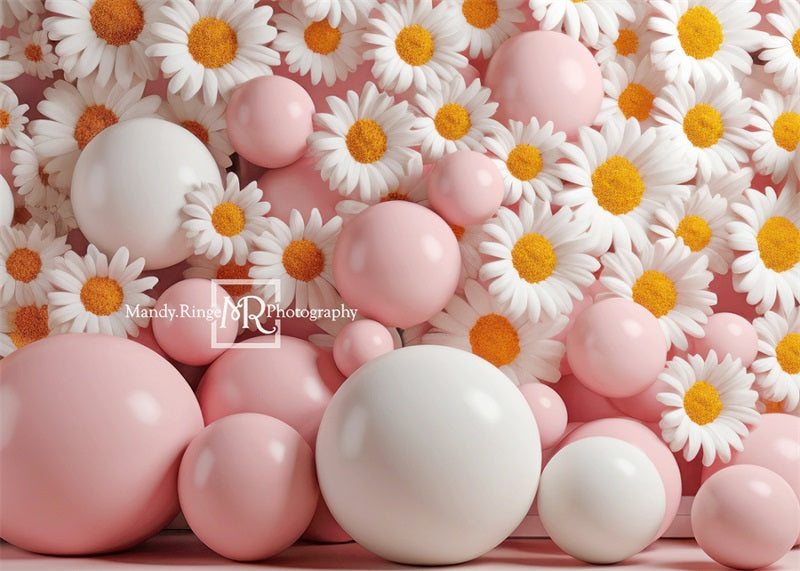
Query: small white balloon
{"x": 601, "y": 500}
{"x": 6, "y": 203}
{"x": 129, "y": 185}
{"x": 428, "y": 455}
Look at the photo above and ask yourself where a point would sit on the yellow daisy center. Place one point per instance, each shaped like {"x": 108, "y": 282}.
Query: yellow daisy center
{"x": 394, "y": 195}
{"x": 322, "y": 38}
{"x": 636, "y": 101}
{"x": 303, "y": 260}
{"x": 695, "y": 232}
{"x": 5, "y": 118}
{"x": 703, "y": 125}
{"x": 772, "y": 406}
{"x": 480, "y": 14}
{"x": 197, "y": 129}
{"x": 233, "y": 271}
{"x": 655, "y": 292}
{"x": 796, "y": 43}
{"x": 700, "y": 32}
{"x": 228, "y": 219}
{"x": 627, "y": 43}
{"x": 494, "y": 338}
{"x": 102, "y": 296}
{"x": 452, "y": 121}
{"x": 366, "y": 141}
{"x": 458, "y": 231}
{"x": 617, "y": 185}
{"x": 23, "y": 264}
{"x": 93, "y": 120}
{"x": 414, "y": 45}
{"x": 524, "y": 162}
{"x": 786, "y": 131}
{"x": 30, "y": 324}
{"x": 33, "y": 52}
{"x": 534, "y": 258}
{"x": 117, "y": 22}
{"x": 788, "y": 353}
{"x": 702, "y": 403}
{"x": 212, "y": 43}
{"x": 779, "y": 244}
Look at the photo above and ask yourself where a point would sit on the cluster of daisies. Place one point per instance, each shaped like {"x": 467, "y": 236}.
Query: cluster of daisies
{"x": 650, "y": 203}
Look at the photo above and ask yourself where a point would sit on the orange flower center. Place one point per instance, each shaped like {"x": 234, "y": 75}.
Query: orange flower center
{"x": 480, "y": 14}
{"x": 5, "y": 118}
{"x": 636, "y": 101}
{"x": 102, "y": 296}
{"x": 30, "y": 324}
{"x": 228, "y": 219}
{"x": 414, "y": 45}
{"x": 366, "y": 141}
{"x": 322, "y": 38}
{"x": 33, "y": 52}
{"x": 212, "y": 43}
{"x": 495, "y": 339}
{"x": 93, "y": 120}
{"x": 233, "y": 271}
{"x": 303, "y": 260}
{"x": 196, "y": 129}
{"x": 23, "y": 264}
{"x": 118, "y": 22}
{"x": 627, "y": 42}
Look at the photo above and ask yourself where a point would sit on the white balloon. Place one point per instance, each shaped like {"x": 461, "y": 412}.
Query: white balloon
{"x": 428, "y": 455}
{"x": 129, "y": 185}
{"x": 601, "y": 499}
{"x": 6, "y": 203}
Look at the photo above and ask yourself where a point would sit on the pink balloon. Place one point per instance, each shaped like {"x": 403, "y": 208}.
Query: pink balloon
{"x": 284, "y": 382}
{"x": 549, "y": 411}
{"x": 147, "y": 339}
{"x": 465, "y": 188}
{"x": 546, "y": 75}
{"x": 616, "y": 348}
{"x": 201, "y": 328}
{"x": 643, "y": 438}
{"x": 298, "y": 187}
{"x": 728, "y": 334}
{"x": 358, "y": 342}
{"x": 582, "y": 404}
{"x": 397, "y": 262}
{"x": 269, "y": 119}
{"x": 745, "y": 517}
{"x": 323, "y": 528}
{"x": 247, "y": 486}
{"x": 93, "y": 430}
{"x": 643, "y": 406}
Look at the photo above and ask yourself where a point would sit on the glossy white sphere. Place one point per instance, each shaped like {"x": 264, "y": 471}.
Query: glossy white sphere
{"x": 601, "y": 499}
{"x": 6, "y": 203}
{"x": 428, "y": 455}
{"x": 129, "y": 185}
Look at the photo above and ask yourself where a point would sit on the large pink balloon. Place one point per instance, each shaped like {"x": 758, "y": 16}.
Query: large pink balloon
{"x": 397, "y": 262}
{"x": 298, "y": 187}
{"x": 616, "y": 348}
{"x": 93, "y": 430}
{"x": 247, "y": 486}
{"x": 546, "y": 75}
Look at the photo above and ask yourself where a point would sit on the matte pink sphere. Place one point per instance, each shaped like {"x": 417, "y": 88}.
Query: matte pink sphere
{"x": 298, "y": 187}
{"x": 549, "y": 411}
{"x": 93, "y": 430}
{"x": 465, "y": 188}
{"x": 397, "y": 262}
{"x": 269, "y": 119}
{"x": 358, "y": 342}
{"x": 729, "y": 334}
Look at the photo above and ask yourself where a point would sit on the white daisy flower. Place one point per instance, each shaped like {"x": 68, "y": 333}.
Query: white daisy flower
{"x": 777, "y": 366}
{"x": 300, "y": 255}
{"x": 26, "y": 253}
{"x": 353, "y": 11}
{"x": 415, "y": 44}
{"x": 32, "y": 49}
{"x": 213, "y": 45}
{"x": 526, "y": 155}
{"x": 12, "y": 116}
{"x": 20, "y": 326}
{"x": 456, "y": 118}
{"x": 9, "y": 69}
{"x": 768, "y": 237}
{"x": 53, "y": 207}
{"x": 709, "y": 122}
{"x": 365, "y": 144}
{"x": 630, "y": 91}
{"x": 315, "y": 47}
{"x": 13, "y": 11}
{"x": 225, "y": 222}
{"x": 537, "y": 262}
{"x": 584, "y": 19}
{"x": 76, "y": 114}
{"x": 104, "y": 35}
{"x": 781, "y": 53}
{"x": 731, "y": 185}
{"x": 632, "y": 40}
{"x": 525, "y": 351}
{"x": 620, "y": 176}
{"x": 214, "y": 269}
{"x": 777, "y": 134}
{"x": 704, "y": 39}
{"x": 206, "y": 122}
{"x": 93, "y": 295}
{"x": 709, "y": 406}
{"x": 485, "y": 24}
{"x": 30, "y": 178}
{"x": 667, "y": 279}
{"x": 700, "y": 223}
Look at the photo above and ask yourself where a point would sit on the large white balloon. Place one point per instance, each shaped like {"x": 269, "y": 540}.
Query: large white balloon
{"x": 6, "y": 203}
{"x": 601, "y": 499}
{"x": 129, "y": 185}
{"x": 428, "y": 455}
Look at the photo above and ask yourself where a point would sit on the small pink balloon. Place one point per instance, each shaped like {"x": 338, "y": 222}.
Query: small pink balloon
{"x": 745, "y": 517}
{"x": 643, "y": 406}
{"x": 298, "y": 187}
{"x": 583, "y": 404}
{"x": 201, "y": 327}
{"x": 546, "y": 75}
{"x": 93, "y": 430}
{"x": 465, "y": 188}
{"x": 247, "y": 486}
{"x": 269, "y": 119}
{"x": 358, "y": 342}
{"x": 323, "y": 528}
{"x": 397, "y": 262}
{"x": 549, "y": 411}
{"x": 728, "y": 334}
{"x": 616, "y": 348}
